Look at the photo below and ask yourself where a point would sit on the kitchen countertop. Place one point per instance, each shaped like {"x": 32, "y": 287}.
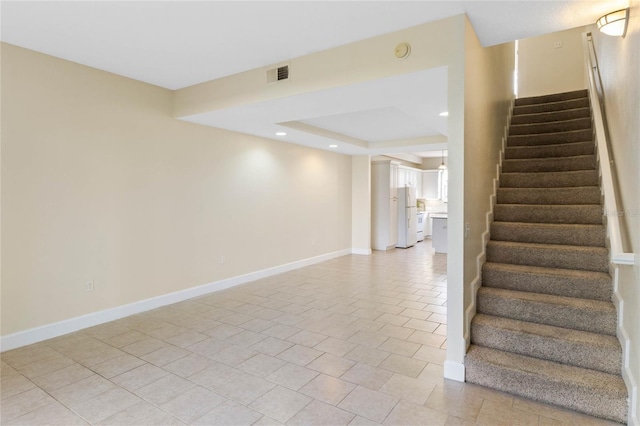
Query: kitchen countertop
{"x": 438, "y": 215}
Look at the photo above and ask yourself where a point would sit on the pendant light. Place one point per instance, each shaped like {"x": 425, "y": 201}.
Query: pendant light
{"x": 442, "y": 166}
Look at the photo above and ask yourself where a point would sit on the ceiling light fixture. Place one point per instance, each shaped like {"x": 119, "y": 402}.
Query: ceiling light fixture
{"x": 281, "y": 134}
{"x": 614, "y": 23}
{"x": 333, "y": 146}
{"x": 444, "y": 114}
{"x": 442, "y": 166}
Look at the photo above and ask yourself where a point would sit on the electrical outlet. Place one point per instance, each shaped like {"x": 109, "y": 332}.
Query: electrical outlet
{"x": 467, "y": 230}
{"x": 313, "y": 241}
{"x": 221, "y": 260}
{"x": 557, "y": 45}
{"x": 89, "y": 286}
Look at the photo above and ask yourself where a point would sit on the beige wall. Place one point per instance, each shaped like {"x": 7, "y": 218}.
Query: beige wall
{"x": 432, "y": 163}
{"x": 432, "y": 45}
{"x": 487, "y": 97}
{"x": 100, "y": 182}
{"x": 544, "y": 69}
{"x": 620, "y": 71}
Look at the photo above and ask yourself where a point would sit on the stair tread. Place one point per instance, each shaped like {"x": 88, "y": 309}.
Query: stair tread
{"x": 548, "y": 331}
{"x": 555, "y": 138}
{"x": 594, "y": 316}
{"x": 550, "y": 164}
{"x": 565, "y": 305}
{"x": 545, "y": 280}
{"x": 556, "y": 106}
{"x": 549, "y": 151}
{"x": 573, "y": 302}
{"x": 551, "y": 195}
{"x": 578, "y": 119}
{"x": 553, "y": 145}
{"x": 553, "y": 97}
{"x": 572, "y": 157}
{"x": 585, "y": 258}
{"x": 552, "y": 371}
{"x": 577, "y": 234}
{"x": 557, "y": 179}
{"x": 549, "y": 213}
{"x": 563, "y": 132}
{"x": 552, "y": 206}
{"x": 552, "y": 113}
{"x": 562, "y": 172}
{"x": 550, "y": 246}
{"x": 553, "y": 189}
{"x": 550, "y": 226}
{"x": 600, "y": 352}
{"x": 541, "y": 270}
{"x": 576, "y": 388}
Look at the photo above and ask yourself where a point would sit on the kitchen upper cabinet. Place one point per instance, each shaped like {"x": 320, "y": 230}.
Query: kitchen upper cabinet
{"x": 412, "y": 178}
{"x": 402, "y": 177}
{"x": 407, "y": 177}
{"x": 385, "y": 179}
{"x": 431, "y": 184}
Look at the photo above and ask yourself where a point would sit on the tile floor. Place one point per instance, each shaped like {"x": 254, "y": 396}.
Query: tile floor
{"x": 358, "y": 340}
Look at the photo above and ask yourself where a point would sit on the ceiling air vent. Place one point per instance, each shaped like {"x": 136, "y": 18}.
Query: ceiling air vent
{"x": 278, "y": 74}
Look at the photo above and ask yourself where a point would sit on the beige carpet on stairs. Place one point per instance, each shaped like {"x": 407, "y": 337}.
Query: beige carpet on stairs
{"x": 545, "y": 327}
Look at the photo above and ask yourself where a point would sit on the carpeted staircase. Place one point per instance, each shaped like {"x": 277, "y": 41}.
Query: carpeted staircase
{"x": 545, "y": 326}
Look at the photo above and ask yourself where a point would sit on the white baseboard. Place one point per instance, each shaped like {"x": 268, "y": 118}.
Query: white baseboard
{"x": 623, "y": 337}
{"x": 454, "y": 371}
{"x": 365, "y": 252}
{"x": 49, "y": 331}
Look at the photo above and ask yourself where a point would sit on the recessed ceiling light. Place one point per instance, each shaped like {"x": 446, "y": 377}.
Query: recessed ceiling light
{"x": 281, "y": 134}
{"x": 333, "y": 146}
{"x": 444, "y": 114}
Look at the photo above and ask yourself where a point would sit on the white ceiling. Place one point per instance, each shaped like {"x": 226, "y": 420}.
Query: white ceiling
{"x": 175, "y": 44}
{"x": 399, "y": 107}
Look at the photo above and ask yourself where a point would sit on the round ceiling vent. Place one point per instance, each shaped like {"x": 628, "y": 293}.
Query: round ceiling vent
{"x": 402, "y": 50}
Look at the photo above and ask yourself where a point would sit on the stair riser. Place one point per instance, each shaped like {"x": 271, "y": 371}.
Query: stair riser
{"x": 587, "y": 235}
{"x": 549, "y": 151}
{"x": 562, "y": 164}
{"x": 581, "y": 258}
{"x": 530, "y": 386}
{"x": 552, "y": 127}
{"x": 550, "y": 139}
{"x": 570, "y": 114}
{"x": 554, "y": 97}
{"x": 551, "y": 107}
{"x": 578, "y": 354}
{"x": 570, "y": 196}
{"x": 588, "y": 214}
{"x": 590, "y": 320}
{"x": 592, "y": 287}
{"x": 549, "y": 180}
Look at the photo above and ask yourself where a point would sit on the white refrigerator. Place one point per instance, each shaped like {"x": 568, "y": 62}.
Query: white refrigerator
{"x": 407, "y": 217}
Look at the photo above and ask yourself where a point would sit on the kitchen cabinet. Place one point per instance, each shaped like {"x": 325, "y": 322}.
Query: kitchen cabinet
{"x": 385, "y": 179}
{"x": 412, "y": 177}
{"x": 408, "y": 177}
{"x": 431, "y": 184}
{"x": 440, "y": 233}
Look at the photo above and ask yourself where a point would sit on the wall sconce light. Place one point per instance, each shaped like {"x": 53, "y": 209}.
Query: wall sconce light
{"x": 614, "y": 23}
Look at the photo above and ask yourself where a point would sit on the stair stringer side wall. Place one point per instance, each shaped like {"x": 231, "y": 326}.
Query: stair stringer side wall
{"x": 618, "y": 301}
{"x": 476, "y": 283}
{"x": 625, "y": 342}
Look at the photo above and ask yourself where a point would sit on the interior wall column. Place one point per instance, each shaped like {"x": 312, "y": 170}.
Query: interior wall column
{"x": 361, "y": 204}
